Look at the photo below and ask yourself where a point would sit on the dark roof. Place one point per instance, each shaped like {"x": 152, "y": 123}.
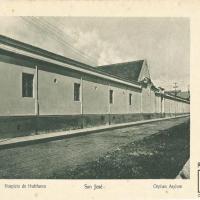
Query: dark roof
{"x": 179, "y": 93}
{"x": 184, "y": 95}
{"x": 127, "y": 70}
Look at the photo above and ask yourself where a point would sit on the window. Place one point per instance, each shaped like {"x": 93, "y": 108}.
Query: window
{"x": 55, "y": 80}
{"x": 111, "y": 96}
{"x": 76, "y": 92}
{"x": 130, "y": 99}
{"x": 27, "y": 85}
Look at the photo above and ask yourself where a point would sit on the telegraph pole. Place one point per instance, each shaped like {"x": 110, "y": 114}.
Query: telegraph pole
{"x": 175, "y": 87}
{"x": 175, "y": 93}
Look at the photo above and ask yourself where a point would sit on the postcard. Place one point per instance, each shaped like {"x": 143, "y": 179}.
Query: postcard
{"x": 99, "y": 100}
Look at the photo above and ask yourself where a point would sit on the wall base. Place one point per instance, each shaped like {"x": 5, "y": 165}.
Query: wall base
{"x": 17, "y": 126}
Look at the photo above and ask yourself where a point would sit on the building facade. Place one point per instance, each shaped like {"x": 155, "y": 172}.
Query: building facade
{"x": 41, "y": 92}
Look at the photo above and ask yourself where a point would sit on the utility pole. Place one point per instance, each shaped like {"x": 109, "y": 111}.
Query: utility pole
{"x": 175, "y": 93}
{"x": 175, "y": 87}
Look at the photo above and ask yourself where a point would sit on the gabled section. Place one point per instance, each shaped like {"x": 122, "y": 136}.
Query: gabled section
{"x": 144, "y": 73}
{"x": 127, "y": 70}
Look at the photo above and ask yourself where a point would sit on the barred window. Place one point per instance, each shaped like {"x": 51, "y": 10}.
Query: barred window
{"x": 27, "y": 85}
{"x": 77, "y": 92}
{"x": 111, "y": 96}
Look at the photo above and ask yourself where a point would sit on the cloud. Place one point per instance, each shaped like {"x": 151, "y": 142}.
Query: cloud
{"x": 163, "y": 42}
{"x": 32, "y": 31}
{"x": 90, "y": 42}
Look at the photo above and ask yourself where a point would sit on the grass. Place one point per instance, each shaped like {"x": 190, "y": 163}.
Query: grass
{"x": 161, "y": 155}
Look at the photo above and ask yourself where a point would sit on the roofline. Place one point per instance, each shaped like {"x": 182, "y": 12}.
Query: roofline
{"x": 39, "y": 51}
{"x": 93, "y": 71}
{"x": 82, "y": 70}
{"x": 121, "y": 63}
{"x": 174, "y": 98}
{"x": 23, "y": 49}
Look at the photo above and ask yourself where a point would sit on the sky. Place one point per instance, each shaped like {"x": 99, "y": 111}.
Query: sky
{"x": 163, "y": 42}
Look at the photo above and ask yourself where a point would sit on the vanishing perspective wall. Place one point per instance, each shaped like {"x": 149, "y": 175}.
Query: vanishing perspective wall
{"x": 53, "y": 106}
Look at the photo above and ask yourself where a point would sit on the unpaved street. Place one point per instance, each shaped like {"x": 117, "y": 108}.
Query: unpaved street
{"x": 46, "y": 160}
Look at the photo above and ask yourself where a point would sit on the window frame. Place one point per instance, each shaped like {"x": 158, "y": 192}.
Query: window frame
{"x": 111, "y": 96}
{"x": 75, "y": 92}
{"x": 130, "y": 99}
{"x": 26, "y": 86}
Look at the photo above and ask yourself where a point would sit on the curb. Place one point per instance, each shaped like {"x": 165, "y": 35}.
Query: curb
{"x": 27, "y": 140}
{"x": 185, "y": 171}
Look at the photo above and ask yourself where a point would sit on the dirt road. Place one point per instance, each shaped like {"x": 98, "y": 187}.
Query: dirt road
{"x": 59, "y": 159}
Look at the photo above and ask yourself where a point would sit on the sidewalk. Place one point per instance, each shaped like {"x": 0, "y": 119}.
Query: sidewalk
{"x": 185, "y": 172}
{"x": 21, "y": 141}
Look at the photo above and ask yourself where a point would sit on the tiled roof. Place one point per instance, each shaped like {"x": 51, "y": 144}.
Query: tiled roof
{"x": 127, "y": 70}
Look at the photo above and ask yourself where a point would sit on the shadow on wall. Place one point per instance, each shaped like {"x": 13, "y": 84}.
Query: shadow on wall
{"x": 31, "y": 125}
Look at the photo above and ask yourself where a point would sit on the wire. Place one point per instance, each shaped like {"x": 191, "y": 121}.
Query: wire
{"x": 55, "y": 34}
{"x": 56, "y": 37}
{"x": 65, "y": 34}
{"x": 58, "y": 31}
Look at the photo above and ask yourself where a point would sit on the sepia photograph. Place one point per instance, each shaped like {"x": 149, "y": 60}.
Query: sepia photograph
{"x": 94, "y": 97}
